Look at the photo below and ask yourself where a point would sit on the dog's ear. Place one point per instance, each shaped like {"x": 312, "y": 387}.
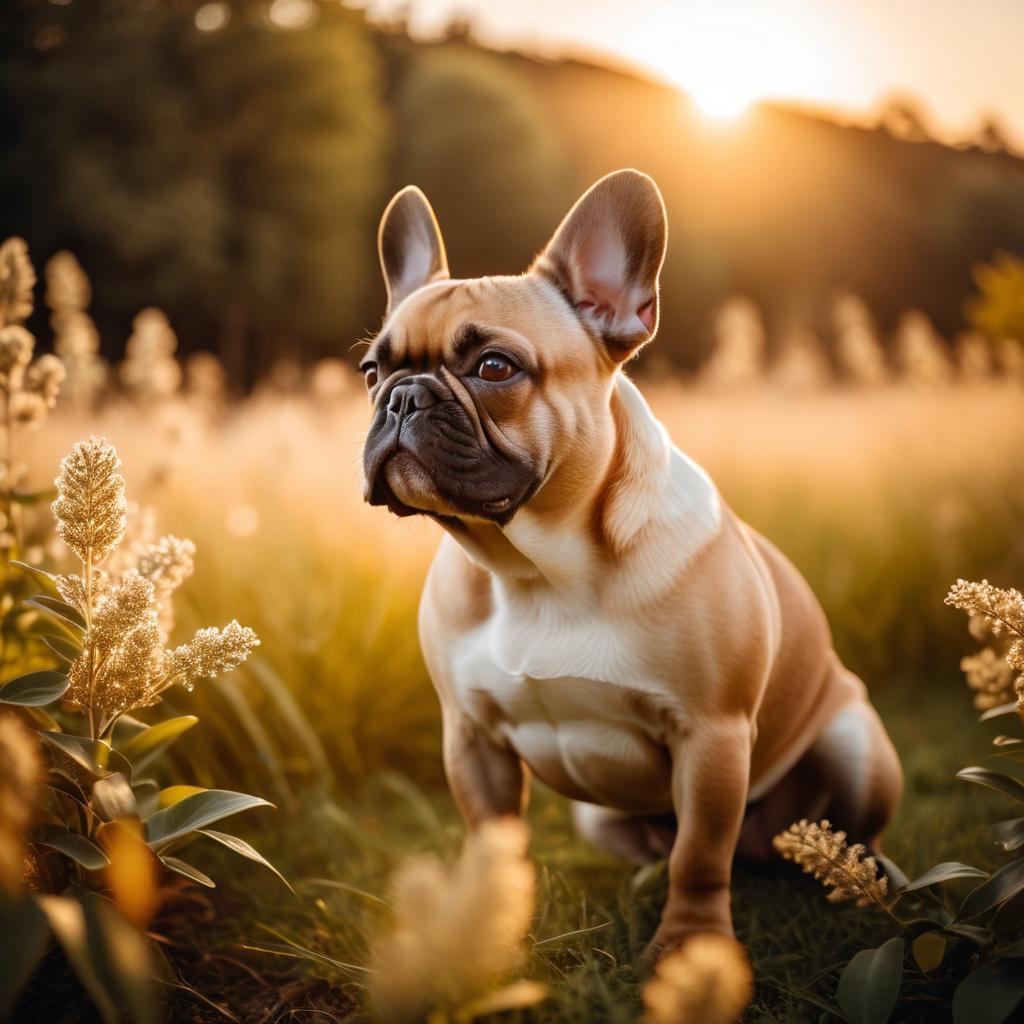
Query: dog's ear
{"x": 606, "y": 256}
{"x": 410, "y": 245}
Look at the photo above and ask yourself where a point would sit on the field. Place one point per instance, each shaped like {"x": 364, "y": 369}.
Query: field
{"x": 882, "y": 497}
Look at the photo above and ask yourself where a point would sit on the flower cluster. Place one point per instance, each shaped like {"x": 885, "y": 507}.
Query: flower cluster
{"x": 708, "y": 980}
{"x": 456, "y": 931}
{"x": 124, "y": 664}
{"x": 149, "y": 370}
{"x": 825, "y": 854}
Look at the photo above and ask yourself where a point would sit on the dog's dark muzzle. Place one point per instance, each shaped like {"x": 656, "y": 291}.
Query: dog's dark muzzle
{"x": 422, "y": 418}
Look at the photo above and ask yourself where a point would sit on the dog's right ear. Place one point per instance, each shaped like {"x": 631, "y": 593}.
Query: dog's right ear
{"x": 410, "y": 245}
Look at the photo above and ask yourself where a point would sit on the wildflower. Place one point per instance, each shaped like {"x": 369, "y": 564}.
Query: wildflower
{"x": 825, "y": 855}
{"x": 19, "y": 770}
{"x": 707, "y": 981}
{"x": 1003, "y": 610}
{"x": 210, "y": 652}
{"x": 921, "y": 352}
{"x": 67, "y": 286}
{"x": 456, "y": 931}
{"x": 44, "y": 378}
{"x": 16, "y": 346}
{"x": 17, "y": 279}
{"x": 857, "y": 347}
{"x": 991, "y": 677}
{"x": 167, "y": 563}
{"x": 27, "y": 409}
{"x": 801, "y": 364}
{"x": 149, "y": 369}
{"x": 738, "y": 356}
{"x": 90, "y": 506}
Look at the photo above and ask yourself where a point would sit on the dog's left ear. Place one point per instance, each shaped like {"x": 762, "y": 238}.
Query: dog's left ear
{"x": 410, "y": 246}
{"x": 606, "y": 256}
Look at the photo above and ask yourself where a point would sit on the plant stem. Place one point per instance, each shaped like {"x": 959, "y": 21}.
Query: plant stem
{"x": 87, "y": 570}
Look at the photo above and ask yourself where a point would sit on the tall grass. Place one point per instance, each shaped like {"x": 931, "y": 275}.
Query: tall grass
{"x": 879, "y": 496}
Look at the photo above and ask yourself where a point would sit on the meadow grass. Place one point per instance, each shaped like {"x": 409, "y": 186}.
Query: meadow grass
{"x": 881, "y": 498}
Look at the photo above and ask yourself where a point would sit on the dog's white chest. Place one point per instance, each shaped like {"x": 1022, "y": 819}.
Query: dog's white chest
{"x": 561, "y": 695}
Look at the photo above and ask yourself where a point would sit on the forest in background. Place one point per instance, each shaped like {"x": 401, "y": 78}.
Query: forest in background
{"x": 234, "y": 177}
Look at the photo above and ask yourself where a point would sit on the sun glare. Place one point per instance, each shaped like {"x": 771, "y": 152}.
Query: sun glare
{"x": 721, "y": 100}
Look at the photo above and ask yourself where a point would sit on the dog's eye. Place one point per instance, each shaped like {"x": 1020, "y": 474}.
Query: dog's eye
{"x": 370, "y": 376}
{"x": 496, "y": 368}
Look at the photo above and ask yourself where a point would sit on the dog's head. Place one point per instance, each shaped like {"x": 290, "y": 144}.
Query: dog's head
{"x": 494, "y": 392}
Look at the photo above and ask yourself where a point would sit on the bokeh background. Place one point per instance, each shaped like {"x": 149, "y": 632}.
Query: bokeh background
{"x": 842, "y": 346}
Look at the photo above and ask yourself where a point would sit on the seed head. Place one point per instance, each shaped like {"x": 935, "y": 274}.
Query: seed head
{"x": 1003, "y": 610}
{"x": 211, "y": 652}
{"x": 708, "y": 981}
{"x": 17, "y": 279}
{"x": 825, "y": 855}
{"x": 90, "y": 506}
{"x": 457, "y": 931}
{"x": 16, "y": 346}
{"x": 44, "y": 378}
{"x": 991, "y": 677}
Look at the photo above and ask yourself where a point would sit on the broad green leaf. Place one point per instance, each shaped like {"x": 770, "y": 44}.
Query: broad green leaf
{"x": 190, "y": 872}
{"x": 196, "y": 812}
{"x": 172, "y": 795}
{"x": 112, "y": 798}
{"x": 1009, "y": 834}
{"x": 108, "y": 955}
{"x": 42, "y": 574}
{"x": 142, "y": 748}
{"x": 989, "y": 995}
{"x": 59, "y": 609}
{"x": 65, "y": 649}
{"x": 71, "y": 844}
{"x": 23, "y": 936}
{"x": 1004, "y": 884}
{"x": 243, "y": 849}
{"x": 1005, "y": 784}
{"x": 895, "y": 874}
{"x": 95, "y": 756}
{"x": 998, "y": 712}
{"x": 147, "y": 796}
{"x": 870, "y": 984}
{"x": 34, "y": 690}
{"x": 929, "y": 948}
{"x": 947, "y": 872}
{"x": 31, "y": 497}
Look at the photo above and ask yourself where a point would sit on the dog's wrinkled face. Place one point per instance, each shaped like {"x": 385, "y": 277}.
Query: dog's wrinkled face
{"x": 490, "y": 391}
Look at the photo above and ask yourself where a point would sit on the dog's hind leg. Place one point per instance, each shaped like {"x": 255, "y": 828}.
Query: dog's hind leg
{"x": 851, "y": 775}
{"x": 639, "y": 838}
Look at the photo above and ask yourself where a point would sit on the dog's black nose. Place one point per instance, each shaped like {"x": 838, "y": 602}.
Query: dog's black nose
{"x": 409, "y": 397}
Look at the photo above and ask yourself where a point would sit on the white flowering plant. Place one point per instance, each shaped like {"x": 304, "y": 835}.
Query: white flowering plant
{"x": 99, "y": 829}
{"x": 971, "y": 941}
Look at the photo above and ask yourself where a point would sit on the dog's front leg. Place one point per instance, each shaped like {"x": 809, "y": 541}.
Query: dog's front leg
{"x": 487, "y": 780}
{"x": 710, "y": 772}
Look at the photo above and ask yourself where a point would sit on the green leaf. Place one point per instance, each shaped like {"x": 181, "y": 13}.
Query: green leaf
{"x": 109, "y": 956}
{"x": 929, "y": 948}
{"x": 142, "y": 748}
{"x": 243, "y": 849}
{"x": 59, "y": 609}
{"x": 171, "y": 795}
{"x": 1005, "y": 784}
{"x": 112, "y": 798}
{"x": 196, "y": 812}
{"x": 31, "y": 497}
{"x": 989, "y": 995}
{"x": 23, "y": 936}
{"x": 34, "y": 690}
{"x": 870, "y": 984}
{"x": 193, "y": 874}
{"x": 41, "y": 574}
{"x": 95, "y": 756}
{"x": 897, "y": 879}
{"x": 946, "y": 872}
{"x": 65, "y": 649}
{"x": 1004, "y": 884}
{"x": 1009, "y": 834}
{"x": 72, "y": 844}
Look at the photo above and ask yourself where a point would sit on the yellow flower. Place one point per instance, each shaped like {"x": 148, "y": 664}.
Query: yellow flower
{"x": 457, "y": 931}
{"x": 990, "y": 676}
{"x": 90, "y": 506}
{"x": 1003, "y": 610}
{"x": 825, "y": 855}
{"x": 708, "y": 981}
{"x": 210, "y": 652}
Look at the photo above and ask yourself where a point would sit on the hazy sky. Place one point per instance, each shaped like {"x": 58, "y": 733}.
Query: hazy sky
{"x": 960, "y": 58}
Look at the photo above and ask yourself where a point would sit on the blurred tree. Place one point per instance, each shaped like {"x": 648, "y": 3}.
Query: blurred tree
{"x": 998, "y": 308}
{"x": 903, "y": 119}
{"x": 473, "y": 135}
{"x": 229, "y": 176}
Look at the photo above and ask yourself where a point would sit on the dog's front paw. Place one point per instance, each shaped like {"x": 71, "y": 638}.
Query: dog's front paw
{"x": 708, "y": 912}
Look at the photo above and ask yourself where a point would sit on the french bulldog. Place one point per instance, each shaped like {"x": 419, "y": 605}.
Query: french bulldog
{"x": 596, "y": 616}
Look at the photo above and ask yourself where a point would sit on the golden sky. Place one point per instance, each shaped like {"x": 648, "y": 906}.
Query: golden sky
{"x": 961, "y": 59}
